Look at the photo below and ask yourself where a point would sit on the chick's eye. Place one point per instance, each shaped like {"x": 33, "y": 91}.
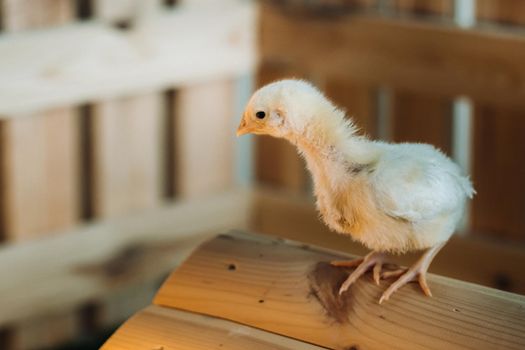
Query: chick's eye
{"x": 260, "y": 115}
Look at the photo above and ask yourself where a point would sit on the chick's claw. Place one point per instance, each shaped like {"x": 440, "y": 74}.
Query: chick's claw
{"x": 375, "y": 259}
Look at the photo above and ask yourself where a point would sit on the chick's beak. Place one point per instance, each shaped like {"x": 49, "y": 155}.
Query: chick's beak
{"x": 243, "y": 128}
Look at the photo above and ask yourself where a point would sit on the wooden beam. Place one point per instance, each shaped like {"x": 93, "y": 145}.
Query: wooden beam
{"x": 92, "y": 262}
{"x": 407, "y": 55}
{"x": 290, "y": 289}
{"x": 88, "y": 61}
{"x": 163, "y": 328}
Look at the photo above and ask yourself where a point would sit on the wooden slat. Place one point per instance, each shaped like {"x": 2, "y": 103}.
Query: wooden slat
{"x": 204, "y": 133}
{"x": 425, "y": 7}
{"x": 163, "y": 328}
{"x": 64, "y": 272}
{"x": 40, "y": 177}
{"x": 296, "y": 218}
{"x": 358, "y": 101}
{"x": 499, "y": 160}
{"x": 291, "y": 290}
{"x": 503, "y": 11}
{"x": 422, "y": 118}
{"x": 406, "y": 55}
{"x": 21, "y": 15}
{"x": 127, "y": 170}
{"x": 109, "y": 62}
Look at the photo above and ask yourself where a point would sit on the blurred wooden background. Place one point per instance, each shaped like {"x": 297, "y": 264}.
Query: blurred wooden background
{"x": 112, "y": 110}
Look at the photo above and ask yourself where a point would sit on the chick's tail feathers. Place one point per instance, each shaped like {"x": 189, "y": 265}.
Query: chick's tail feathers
{"x": 466, "y": 184}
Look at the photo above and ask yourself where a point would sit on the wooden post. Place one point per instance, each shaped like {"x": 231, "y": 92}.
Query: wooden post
{"x": 204, "y": 132}
{"x": 418, "y": 117}
{"x": 291, "y": 290}
{"x": 39, "y": 177}
{"x": 127, "y": 140}
{"x": 38, "y": 152}
{"x": 499, "y": 160}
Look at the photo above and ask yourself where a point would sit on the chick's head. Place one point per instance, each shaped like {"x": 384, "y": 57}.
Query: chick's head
{"x": 280, "y": 109}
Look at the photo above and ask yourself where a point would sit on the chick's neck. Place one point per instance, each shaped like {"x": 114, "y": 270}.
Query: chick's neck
{"x": 330, "y": 146}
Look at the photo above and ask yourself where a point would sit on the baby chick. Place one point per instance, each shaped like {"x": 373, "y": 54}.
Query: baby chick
{"x": 393, "y": 198}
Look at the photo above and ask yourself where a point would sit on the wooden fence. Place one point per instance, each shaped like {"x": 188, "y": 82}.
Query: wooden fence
{"x": 104, "y": 106}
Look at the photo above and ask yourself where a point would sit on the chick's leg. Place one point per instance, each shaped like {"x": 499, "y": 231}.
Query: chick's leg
{"x": 418, "y": 270}
{"x": 375, "y": 259}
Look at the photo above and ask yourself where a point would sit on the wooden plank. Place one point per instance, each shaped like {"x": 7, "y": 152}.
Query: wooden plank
{"x": 498, "y": 172}
{"x": 402, "y": 54}
{"x": 289, "y": 289}
{"x": 40, "y": 175}
{"x": 503, "y": 11}
{"x": 95, "y": 261}
{"x": 154, "y": 55}
{"x": 358, "y": 101}
{"x": 418, "y": 117}
{"x": 127, "y": 169}
{"x": 39, "y": 170}
{"x": 498, "y": 166}
{"x": 204, "y": 134}
{"x": 295, "y": 217}
{"x": 424, "y": 7}
{"x": 19, "y": 15}
{"x": 163, "y": 328}
{"x": 277, "y": 162}
{"x": 127, "y": 156}
{"x": 422, "y": 118}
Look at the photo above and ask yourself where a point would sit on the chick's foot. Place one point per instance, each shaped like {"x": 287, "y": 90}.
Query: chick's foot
{"x": 375, "y": 259}
{"x": 417, "y": 271}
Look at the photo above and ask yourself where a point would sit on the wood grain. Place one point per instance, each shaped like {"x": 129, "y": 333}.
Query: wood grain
{"x": 425, "y": 58}
{"x": 164, "y": 328}
{"x": 204, "y": 132}
{"x": 291, "y": 290}
{"x": 425, "y": 7}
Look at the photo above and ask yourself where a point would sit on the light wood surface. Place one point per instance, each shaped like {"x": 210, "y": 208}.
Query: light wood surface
{"x": 409, "y": 55}
{"x": 109, "y": 62}
{"x": 204, "y": 132}
{"x": 291, "y": 290}
{"x": 162, "y": 328}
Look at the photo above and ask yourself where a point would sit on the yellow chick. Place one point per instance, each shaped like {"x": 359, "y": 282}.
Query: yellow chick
{"x": 393, "y": 198}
